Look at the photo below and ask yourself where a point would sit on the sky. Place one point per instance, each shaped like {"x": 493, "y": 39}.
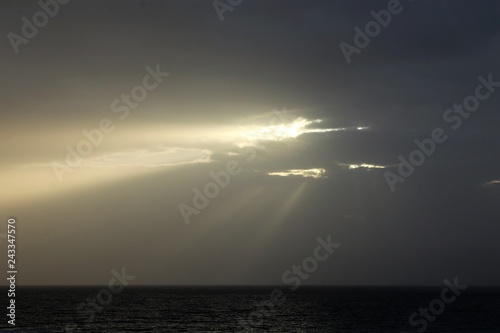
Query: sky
{"x": 117, "y": 117}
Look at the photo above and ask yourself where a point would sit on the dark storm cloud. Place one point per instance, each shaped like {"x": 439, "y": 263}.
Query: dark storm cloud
{"x": 264, "y": 55}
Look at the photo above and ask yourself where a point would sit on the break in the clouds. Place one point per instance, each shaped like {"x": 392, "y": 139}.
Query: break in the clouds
{"x": 492, "y": 183}
{"x": 307, "y": 173}
{"x": 362, "y": 166}
{"x": 283, "y": 131}
{"x": 253, "y": 134}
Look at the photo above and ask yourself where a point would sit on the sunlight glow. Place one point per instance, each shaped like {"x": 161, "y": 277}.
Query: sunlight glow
{"x": 284, "y": 131}
{"x": 362, "y": 166}
{"x": 150, "y": 158}
{"x": 308, "y": 173}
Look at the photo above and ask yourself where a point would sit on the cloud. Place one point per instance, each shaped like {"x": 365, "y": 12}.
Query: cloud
{"x": 492, "y": 183}
{"x": 288, "y": 130}
{"x": 307, "y": 173}
{"x": 363, "y": 166}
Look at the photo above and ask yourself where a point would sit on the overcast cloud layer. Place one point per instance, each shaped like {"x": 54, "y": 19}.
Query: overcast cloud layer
{"x": 268, "y": 63}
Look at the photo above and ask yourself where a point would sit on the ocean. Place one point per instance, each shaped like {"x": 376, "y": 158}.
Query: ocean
{"x": 254, "y": 309}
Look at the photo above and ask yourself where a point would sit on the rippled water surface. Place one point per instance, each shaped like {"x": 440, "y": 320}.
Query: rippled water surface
{"x": 231, "y": 309}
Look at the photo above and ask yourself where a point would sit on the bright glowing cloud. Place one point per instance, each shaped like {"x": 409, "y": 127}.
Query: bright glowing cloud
{"x": 288, "y": 130}
{"x": 282, "y": 131}
{"x": 492, "y": 183}
{"x": 362, "y": 166}
{"x": 135, "y": 149}
{"x": 308, "y": 173}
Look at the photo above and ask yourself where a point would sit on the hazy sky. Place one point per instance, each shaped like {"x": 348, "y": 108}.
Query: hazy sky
{"x": 269, "y": 79}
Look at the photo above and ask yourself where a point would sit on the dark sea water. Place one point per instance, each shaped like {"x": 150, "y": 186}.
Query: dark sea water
{"x": 222, "y": 309}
